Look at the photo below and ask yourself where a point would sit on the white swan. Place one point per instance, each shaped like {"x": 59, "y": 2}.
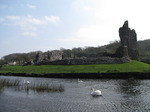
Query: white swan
{"x": 26, "y": 82}
{"x": 80, "y": 80}
{"x": 96, "y": 92}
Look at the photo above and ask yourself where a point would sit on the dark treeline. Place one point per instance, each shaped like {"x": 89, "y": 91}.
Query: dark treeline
{"x": 144, "y": 48}
{"x": 67, "y": 53}
{"x": 86, "y": 52}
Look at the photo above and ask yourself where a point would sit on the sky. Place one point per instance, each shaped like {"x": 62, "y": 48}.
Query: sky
{"x": 33, "y": 25}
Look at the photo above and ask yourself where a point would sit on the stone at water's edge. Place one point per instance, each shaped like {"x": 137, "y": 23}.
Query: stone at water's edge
{"x": 128, "y": 39}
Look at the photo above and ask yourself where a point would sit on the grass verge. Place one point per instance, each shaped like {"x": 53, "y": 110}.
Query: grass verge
{"x": 133, "y": 66}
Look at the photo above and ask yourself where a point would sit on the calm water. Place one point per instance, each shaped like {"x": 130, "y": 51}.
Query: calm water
{"x": 118, "y": 96}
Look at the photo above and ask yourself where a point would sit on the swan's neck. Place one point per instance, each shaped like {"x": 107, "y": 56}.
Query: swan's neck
{"x": 92, "y": 89}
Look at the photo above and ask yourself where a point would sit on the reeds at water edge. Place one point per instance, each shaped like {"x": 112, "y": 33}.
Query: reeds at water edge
{"x": 8, "y": 83}
{"x": 37, "y": 87}
{"x": 45, "y": 87}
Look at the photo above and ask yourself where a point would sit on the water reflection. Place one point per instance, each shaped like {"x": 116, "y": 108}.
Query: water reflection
{"x": 27, "y": 90}
{"x": 130, "y": 87}
{"x": 1, "y": 88}
{"x": 36, "y": 87}
{"x": 129, "y": 95}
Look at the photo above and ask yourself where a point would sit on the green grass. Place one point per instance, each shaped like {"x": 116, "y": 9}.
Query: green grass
{"x": 133, "y": 66}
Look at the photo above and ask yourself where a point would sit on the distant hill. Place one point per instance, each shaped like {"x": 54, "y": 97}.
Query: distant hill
{"x": 144, "y": 48}
{"x": 89, "y": 52}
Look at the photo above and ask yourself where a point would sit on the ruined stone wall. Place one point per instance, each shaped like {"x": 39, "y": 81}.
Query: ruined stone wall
{"x": 101, "y": 60}
{"x": 128, "y": 38}
{"x": 49, "y": 56}
{"x": 55, "y": 55}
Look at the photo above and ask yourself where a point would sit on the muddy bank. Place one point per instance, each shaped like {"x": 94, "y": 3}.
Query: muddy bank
{"x": 136, "y": 75}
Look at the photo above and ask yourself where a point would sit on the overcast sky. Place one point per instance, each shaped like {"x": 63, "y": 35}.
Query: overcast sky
{"x": 31, "y": 25}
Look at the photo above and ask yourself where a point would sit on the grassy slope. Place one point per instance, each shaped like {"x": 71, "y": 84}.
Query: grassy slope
{"x": 133, "y": 66}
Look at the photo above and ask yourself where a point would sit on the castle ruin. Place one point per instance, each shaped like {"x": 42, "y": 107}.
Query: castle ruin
{"x": 128, "y": 39}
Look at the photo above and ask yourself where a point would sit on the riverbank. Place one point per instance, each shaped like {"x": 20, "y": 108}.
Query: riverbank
{"x": 126, "y": 70}
{"x": 125, "y": 75}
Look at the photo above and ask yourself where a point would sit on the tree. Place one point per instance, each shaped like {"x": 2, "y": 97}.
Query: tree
{"x": 2, "y": 62}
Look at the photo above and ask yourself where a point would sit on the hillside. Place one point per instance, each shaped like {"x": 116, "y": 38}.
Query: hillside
{"x": 89, "y": 52}
{"x": 144, "y": 48}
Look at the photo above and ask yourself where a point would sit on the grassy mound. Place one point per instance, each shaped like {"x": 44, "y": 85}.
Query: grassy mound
{"x": 133, "y": 66}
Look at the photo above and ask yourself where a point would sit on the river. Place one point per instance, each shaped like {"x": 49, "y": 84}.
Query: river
{"x": 128, "y": 95}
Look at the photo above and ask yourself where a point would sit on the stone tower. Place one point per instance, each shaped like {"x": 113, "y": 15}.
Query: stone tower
{"x": 128, "y": 39}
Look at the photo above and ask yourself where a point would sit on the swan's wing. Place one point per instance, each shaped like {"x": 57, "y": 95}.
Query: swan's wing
{"x": 98, "y": 92}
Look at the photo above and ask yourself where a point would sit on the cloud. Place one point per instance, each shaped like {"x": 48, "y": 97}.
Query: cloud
{"x": 82, "y": 5}
{"x": 52, "y": 19}
{"x": 13, "y": 18}
{"x": 31, "y": 20}
{"x": 29, "y": 24}
{"x": 106, "y": 16}
{"x": 92, "y": 35}
{"x": 29, "y": 34}
{"x": 31, "y": 6}
{"x": 103, "y": 26}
